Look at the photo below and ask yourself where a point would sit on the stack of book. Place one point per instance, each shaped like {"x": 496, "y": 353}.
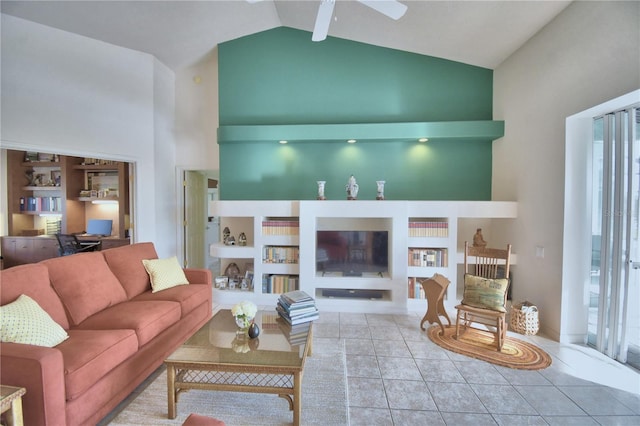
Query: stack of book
{"x": 297, "y": 307}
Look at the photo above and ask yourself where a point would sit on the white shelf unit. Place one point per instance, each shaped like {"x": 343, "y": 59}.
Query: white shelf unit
{"x": 247, "y": 217}
{"x": 392, "y": 216}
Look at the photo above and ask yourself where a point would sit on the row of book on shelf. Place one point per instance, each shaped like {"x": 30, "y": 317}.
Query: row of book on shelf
{"x": 41, "y": 204}
{"x": 297, "y": 309}
{"x": 280, "y": 254}
{"x": 428, "y": 257}
{"x": 415, "y": 290}
{"x": 279, "y": 283}
{"x": 428, "y": 229}
{"x": 280, "y": 227}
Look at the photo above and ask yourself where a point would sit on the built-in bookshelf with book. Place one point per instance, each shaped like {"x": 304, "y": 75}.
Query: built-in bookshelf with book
{"x": 279, "y": 283}
{"x": 280, "y": 254}
{"x": 280, "y": 226}
{"x": 428, "y": 227}
{"x": 414, "y": 288}
{"x": 431, "y": 257}
{"x": 41, "y": 204}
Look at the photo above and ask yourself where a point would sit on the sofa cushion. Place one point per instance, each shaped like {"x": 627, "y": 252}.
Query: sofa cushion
{"x": 85, "y": 284}
{"x": 189, "y": 296}
{"x": 32, "y": 280}
{"x": 91, "y": 354}
{"x": 126, "y": 264}
{"x": 146, "y": 318}
{"x": 164, "y": 273}
{"x": 24, "y": 321}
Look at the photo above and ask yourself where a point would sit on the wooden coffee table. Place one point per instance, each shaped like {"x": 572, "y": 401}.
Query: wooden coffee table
{"x": 217, "y": 358}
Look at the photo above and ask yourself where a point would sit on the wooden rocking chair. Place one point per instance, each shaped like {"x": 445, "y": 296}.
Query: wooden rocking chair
{"x": 485, "y": 291}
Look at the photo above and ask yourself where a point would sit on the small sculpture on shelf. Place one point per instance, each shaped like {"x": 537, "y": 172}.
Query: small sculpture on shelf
{"x": 225, "y": 235}
{"x": 380, "y": 185}
{"x": 478, "y": 239}
{"x": 32, "y": 178}
{"x": 242, "y": 239}
{"x": 352, "y": 188}
{"x": 321, "y": 184}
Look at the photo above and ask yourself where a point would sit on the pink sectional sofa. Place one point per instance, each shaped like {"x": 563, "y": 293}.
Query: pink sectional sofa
{"x": 119, "y": 331}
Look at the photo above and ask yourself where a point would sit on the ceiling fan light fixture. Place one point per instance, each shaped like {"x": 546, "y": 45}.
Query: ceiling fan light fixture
{"x": 390, "y": 8}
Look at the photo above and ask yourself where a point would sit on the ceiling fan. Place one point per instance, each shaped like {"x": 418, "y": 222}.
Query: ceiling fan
{"x": 391, "y": 8}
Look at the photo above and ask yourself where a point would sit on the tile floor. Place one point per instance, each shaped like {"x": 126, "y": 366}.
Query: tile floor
{"x": 397, "y": 376}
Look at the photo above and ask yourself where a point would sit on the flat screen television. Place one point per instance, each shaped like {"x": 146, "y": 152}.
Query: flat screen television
{"x": 352, "y": 253}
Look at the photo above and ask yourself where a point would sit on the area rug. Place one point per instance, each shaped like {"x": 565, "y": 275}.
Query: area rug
{"x": 480, "y": 344}
{"x": 324, "y": 400}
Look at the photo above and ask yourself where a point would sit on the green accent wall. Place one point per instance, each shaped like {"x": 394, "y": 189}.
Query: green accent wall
{"x": 280, "y": 77}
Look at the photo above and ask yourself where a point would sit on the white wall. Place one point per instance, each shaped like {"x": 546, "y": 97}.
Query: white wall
{"x": 586, "y": 56}
{"x": 69, "y": 94}
{"x": 197, "y": 115}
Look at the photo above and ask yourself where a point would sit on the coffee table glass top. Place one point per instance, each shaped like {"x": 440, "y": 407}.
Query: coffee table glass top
{"x": 219, "y": 343}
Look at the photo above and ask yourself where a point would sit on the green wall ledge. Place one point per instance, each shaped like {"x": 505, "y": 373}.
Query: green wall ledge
{"x": 373, "y": 132}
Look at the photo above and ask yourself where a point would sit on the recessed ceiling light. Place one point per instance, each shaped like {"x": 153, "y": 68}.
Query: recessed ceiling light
{"x": 423, "y": 140}
{"x": 351, "y": 141}
{"x": 283, "y": 142}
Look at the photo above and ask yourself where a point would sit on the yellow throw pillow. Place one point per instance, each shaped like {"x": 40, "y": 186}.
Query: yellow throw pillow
{"x": 485, "y": 293}
{"x": 164, "y": 273}
{"x": 24, "y": 321}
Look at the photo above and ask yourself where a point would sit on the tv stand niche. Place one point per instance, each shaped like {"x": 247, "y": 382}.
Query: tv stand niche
{"x": 437, "y": 237}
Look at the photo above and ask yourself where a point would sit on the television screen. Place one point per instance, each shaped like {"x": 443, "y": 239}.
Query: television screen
{"x": 352, "y": 253}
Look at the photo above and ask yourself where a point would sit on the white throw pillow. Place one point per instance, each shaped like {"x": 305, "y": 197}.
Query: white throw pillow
{"x": 24, "y": 321}
{"x": 164, "y": 273}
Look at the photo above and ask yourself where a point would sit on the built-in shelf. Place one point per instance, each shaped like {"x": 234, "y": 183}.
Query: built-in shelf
{"x": 41, "y": 188}
{"x": 486, "y": 130}
{"x": 114, "y": 199}
{"x": 102, "y": 167}
{"x": 366, "y": 293}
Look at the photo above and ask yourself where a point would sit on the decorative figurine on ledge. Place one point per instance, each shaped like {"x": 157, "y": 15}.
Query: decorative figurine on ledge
{"x": 225, "y": 235}
{"x": 321, "y": 189}
{"x": 380, "y": 195}
{"x": 242, "y": 239}
{"x": 478, "y": 239}
{"x": 352, "y": 189}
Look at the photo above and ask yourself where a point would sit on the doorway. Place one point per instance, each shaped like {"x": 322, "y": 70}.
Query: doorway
{"x": 199, "y": 229}
{"x": 614, "y": 288}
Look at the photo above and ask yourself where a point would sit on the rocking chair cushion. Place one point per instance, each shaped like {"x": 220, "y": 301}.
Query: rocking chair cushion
{"x": 485, "y": 293}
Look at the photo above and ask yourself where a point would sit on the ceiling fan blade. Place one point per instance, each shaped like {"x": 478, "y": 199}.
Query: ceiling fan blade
{"x": 392, "y": 8}
{"x": 321, "y": 29}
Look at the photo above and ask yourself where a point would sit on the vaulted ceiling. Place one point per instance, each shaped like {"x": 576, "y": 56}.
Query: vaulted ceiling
{"x": 181, "y": 33}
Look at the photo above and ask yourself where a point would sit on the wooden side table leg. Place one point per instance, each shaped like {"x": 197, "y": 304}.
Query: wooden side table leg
{"x": 14, "y": 414}
{"x": 171, "y": 392}
{"x": 297, "y": 398}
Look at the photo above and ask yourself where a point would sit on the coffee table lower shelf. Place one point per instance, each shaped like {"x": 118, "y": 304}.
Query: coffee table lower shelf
{"x": 285, "y": 383}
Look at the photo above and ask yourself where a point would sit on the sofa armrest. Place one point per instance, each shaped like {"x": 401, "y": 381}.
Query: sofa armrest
{"x": 40, "y": 370}
{"x": 198, "y": 276}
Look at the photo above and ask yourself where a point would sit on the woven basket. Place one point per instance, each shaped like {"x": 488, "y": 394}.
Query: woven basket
{"x": 524, "y": 318}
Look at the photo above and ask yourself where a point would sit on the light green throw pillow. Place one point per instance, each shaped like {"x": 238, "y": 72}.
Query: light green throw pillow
{"x": 485, "y": 293}
{"x": 24, "y": 321}
{"x": 164, "y": 273}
